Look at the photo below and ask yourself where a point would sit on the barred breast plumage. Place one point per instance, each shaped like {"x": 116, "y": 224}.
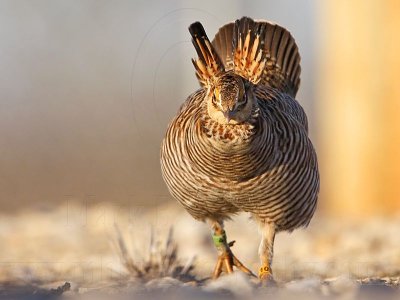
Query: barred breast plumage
{"x": 267, "y": 167}
{"x": 260, "y": 161}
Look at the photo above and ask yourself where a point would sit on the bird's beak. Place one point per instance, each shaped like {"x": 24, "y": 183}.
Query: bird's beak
{"x": 228, "y": 115}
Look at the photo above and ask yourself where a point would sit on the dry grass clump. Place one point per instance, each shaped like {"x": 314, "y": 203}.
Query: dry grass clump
{"x": 162, "y": 259}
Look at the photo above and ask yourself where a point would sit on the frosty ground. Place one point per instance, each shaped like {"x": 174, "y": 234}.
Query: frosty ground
{"x": 80, "y": 244}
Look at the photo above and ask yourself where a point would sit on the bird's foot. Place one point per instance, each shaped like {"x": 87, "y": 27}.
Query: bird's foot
{"x": 226, "y": 259}
{"x": 265, "y": 275}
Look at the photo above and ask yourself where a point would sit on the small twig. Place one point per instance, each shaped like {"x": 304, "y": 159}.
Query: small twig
{"x": 128, "y": 262}
{"x": 162, "y": 260}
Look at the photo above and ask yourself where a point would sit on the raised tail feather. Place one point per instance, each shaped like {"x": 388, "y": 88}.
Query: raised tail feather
{"x": 208, "y": 65}
{"x": 260, "y": 51}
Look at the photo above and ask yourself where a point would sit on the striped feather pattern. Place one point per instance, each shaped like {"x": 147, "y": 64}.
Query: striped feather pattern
{"x": 266, "y": 166}
{"x": 282, "y": 59}
{"x": 208, "y": 66}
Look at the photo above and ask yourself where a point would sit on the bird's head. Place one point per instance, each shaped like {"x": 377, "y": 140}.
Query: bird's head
{"x": 230, "y": 100}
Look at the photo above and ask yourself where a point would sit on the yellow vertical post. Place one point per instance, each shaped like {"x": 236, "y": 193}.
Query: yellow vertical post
{"x": 359, "y": 106}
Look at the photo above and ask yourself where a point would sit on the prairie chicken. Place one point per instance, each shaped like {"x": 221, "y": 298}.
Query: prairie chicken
{"x": 240, "y": 142}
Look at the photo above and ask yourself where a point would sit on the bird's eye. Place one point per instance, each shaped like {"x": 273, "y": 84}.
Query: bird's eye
{"x": 243, "y": 101}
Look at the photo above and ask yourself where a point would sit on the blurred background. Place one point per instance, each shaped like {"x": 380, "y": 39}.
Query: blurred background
{"x": 87, "y": 89}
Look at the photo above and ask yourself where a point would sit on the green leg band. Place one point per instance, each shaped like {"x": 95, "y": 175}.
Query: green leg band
{"x": 219, "y": 239}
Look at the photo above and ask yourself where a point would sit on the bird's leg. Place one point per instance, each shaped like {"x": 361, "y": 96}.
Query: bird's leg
{"x": 266, "y": 251}
{"x": 226, "y": 259}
